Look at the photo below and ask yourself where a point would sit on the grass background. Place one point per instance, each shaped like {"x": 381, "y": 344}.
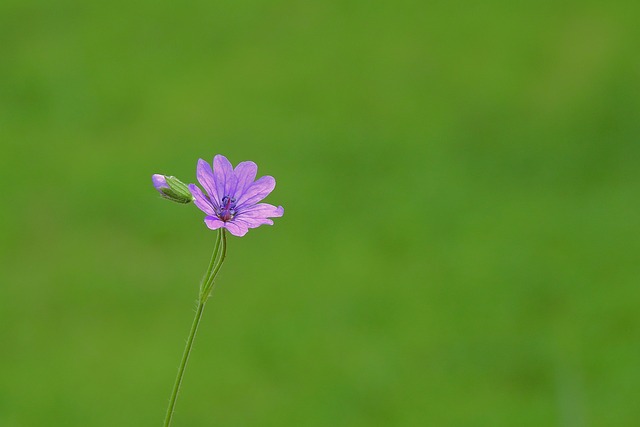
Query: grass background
{"x": 461, "y": 238}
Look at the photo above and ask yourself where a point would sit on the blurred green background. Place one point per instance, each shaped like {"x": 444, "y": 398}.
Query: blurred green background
{"x": 461, "y": 237}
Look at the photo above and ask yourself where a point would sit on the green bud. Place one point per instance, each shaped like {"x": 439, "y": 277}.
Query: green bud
{"x": 172, "y": 188}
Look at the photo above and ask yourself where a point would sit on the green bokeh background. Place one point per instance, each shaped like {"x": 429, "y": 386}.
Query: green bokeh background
{"x": 461, "y": 239}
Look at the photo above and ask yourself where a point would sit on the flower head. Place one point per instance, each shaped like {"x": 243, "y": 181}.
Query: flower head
{"x": 232, "y": 196}
{"x": 171, "y": 188}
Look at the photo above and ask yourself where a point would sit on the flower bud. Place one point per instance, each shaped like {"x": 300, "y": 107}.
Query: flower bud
{"x": 172, "y": 188}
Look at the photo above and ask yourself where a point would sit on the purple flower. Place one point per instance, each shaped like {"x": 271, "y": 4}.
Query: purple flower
{"x": 233, "y": 195}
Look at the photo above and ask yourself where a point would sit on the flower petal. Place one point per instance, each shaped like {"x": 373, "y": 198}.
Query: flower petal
{"x": 159, "y": 181}
{"x": 213, "y": 222}
{"x": 206, "y": 179}
{"x": 223, "y": 176}
{"x": 245, "y": 173}
{"x": 253, "y": 222}
{"x": 236, "y": 228}
{"x": 201, "y": 201}
{"x": 256, "y": 191}
{"x": 261, "y": 210}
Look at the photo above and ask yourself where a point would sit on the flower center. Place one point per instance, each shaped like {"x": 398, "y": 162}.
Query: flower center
{"x": 227, "y": 209}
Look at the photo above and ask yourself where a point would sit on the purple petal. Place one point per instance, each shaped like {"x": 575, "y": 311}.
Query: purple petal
{"x": 245, "y": 173}
{"x": 253, "y": 222}
{"x": 213, "y": 222}
{"x": 201, "y": 201}
{"x": 236, "y": 228}
{"x": 223, "y": 176}
{"x": 256, "y": 191}
{"x": 159, "y": 181}
{"x": 261, "y": 210}
{"x": 206, "y": 179}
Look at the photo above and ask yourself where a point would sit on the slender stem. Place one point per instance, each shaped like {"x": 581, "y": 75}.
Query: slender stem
{"x": 205, "y": 290}
{"x": 214, "y": 256}
{"x": 183, "y": 364}
{"x": 209, "y": 285}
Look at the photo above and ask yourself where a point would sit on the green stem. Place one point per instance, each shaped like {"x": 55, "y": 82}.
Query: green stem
{"x": 183, "y": 364}
{"x": 205, "y": 291}
{"x": 214, "y": 256}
